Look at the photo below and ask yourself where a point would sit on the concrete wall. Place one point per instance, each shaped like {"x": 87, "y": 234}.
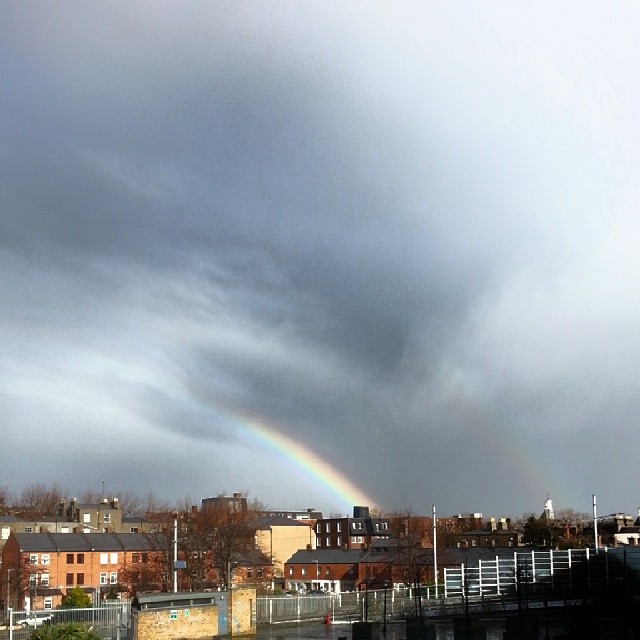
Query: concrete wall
{"x": 170, "y": 624}
{"x": 242, "y": 607}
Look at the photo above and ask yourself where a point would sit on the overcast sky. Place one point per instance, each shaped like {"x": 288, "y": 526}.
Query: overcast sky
{"x": 406, "y": 235}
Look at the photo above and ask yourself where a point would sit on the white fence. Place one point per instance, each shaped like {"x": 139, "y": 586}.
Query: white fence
{"x": 501, "y": 576}
{"x": 111, "y": 620}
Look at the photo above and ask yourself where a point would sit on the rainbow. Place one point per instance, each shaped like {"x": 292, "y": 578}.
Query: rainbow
{"x": 252, "y": 430}
{"x": 233, "y": 421}
{"x": 307, "y": 463}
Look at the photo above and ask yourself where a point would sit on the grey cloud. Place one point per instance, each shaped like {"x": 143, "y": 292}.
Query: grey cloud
{"x": 205, "y": 206}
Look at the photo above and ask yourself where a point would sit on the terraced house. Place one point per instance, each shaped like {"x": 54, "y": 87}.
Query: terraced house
{"x": 38, "y": 569}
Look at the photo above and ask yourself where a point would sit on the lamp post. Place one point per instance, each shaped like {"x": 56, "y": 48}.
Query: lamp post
{"x": 175, "y": 553}
{"x": 9, "y": 572}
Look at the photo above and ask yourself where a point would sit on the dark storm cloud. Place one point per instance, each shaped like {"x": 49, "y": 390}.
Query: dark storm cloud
{"x": 374, "y": 238}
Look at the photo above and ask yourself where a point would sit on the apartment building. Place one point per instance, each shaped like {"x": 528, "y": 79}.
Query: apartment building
{"x": 357, "y": 532}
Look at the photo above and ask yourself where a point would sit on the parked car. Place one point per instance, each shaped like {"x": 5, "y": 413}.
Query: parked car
{"x": 36, "y": 619}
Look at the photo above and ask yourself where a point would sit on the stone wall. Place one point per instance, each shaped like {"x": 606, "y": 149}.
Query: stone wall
{"x": 242, "y": 607}
{"x": 170, "y": 624}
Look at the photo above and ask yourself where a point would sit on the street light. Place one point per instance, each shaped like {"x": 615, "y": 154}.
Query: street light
{"x": 9, "y": 572}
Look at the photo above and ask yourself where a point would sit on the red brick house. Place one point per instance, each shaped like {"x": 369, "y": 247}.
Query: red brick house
{"x": 39, "y": 568}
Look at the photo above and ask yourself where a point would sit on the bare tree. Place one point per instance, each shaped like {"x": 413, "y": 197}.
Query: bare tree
{"x": 38, "y": 500}
{"x": 217, "y": 537}
{"x": 5, "y": 498}
{"x": 130, "y": 504}
{"x": 152, "y": 504}
{"x": 411, "y": 536}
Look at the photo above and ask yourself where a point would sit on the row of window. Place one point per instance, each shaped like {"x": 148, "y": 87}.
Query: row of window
{"x": 78, "y": 558}
{"x": 354, "y": 540}
{"x": 42, "y": 579}
{"x": 327, "y": 571}
{"x": 356, "y": 526}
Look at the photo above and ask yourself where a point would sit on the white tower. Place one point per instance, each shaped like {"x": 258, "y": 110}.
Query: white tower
{"x": 548, "y": 508}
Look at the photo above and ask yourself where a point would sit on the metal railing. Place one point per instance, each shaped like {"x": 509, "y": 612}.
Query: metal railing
{"x": 110, "y": 620}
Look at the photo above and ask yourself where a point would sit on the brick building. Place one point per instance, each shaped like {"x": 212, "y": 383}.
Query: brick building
{"x": 357, "y": 532}
{"x": 40, "y": 568}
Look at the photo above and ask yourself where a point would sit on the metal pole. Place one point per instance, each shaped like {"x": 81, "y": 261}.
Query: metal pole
{"x": 595, "y": 522}
{"x": 384, "y": 625}
{"x": 9, "y": 572}
{"x": 175, "y": 553}
{"x": 435, "y": 550}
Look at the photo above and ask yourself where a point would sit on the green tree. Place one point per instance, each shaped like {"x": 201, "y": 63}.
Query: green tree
{"x": 76, "y": 598}
{"x": 539, "y": 532}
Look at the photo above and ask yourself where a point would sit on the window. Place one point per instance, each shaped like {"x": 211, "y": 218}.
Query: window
{"x": 113, "y": 577}
{"x": 318, "y": 541}
{"x": 290, "y": 571}
{"x": 28, "y": 529}
{"x": 339, "y": 541}
{"x": 326, "y": 571}
{"x": 145, "y": 557}
{"x": 104, "y": 558}
{"x": 338, "y": 527}
{"x": 79, "y": 579}
{"x": 133, "y": 530}
{"x": 69, "y": 579}
{"x": 106, "y": 518}
{"x": 48, "y": 602}
{"x": 44, "y": 579}
{"x": 249, "y": 573}
{"x": 86, "y": 518}
{"x": 318, "y": 528}
{"x": 328, "y": 527}
{"x": 103, "y": 577}
{"x": 80, "y": 558}
{"x": 70, "y": 558}
{"x": 303, "y": 570}
{"x": 4, "y": 533}
{"x": 328, "y": 541}
{"x": 259, "y": 572}
{"x": 33, "y": 558}
{"x": 33, "y": 580}
{"x": 113, "y": 559}
{"x": 135, "y": 558}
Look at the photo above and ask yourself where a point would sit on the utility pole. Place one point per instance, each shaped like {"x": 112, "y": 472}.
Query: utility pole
{"x": 175, "y": 553}
{"x": 595, "y": 523}
{"x": 435, "y": 550}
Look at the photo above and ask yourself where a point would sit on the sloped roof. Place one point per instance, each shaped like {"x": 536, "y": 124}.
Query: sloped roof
{"x": 266, "y": 522}
{"x": 54, "y": 542}
{"x": 327, "y": 556}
